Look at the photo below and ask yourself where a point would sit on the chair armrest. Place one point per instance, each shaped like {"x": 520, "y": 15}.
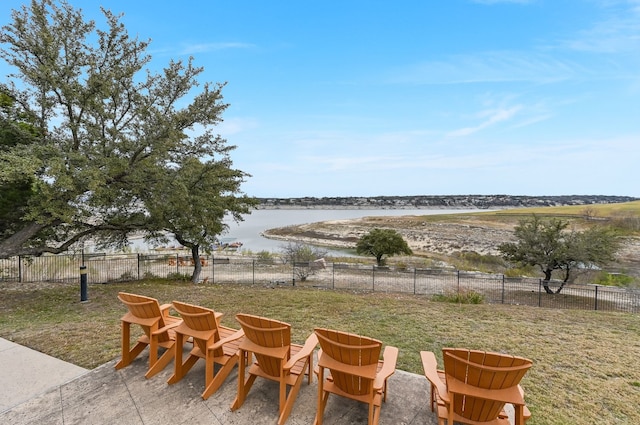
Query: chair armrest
{"x": 389, "y": 358}
{"x": 166, "y": 327}
{"x": 309, "y": 345}
{"x": 430, "y": 366}
{"x": 164, "y": 308}
{"x": 236, "y": 335}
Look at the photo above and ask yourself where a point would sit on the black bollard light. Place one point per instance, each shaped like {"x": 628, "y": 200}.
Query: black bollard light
{"x": 83, "y": 284}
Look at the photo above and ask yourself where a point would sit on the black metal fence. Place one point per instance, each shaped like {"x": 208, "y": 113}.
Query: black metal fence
{"x": 492, "y": 288}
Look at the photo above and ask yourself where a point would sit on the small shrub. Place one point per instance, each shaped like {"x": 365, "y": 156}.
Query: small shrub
{"x": 127, "y": 277}
{"x": 614, "y": 279}
{"x": 265, "y": 256}
{"x": 520, "y": 271}
{"x": 460, "y": 297}
{"x": 179, "y": 276}
{"x": 471, "y": 260}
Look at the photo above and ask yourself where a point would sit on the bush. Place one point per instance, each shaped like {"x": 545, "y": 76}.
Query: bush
{"x": 301, "y": 256}
{"x": 520, "y": 271}
{"x": 471, "y": 260}
{"x": 265, "y": 256}
{"x": 460, "y": 297}
{"x": 179, "y": 276}
{"x": 614, "y": 279}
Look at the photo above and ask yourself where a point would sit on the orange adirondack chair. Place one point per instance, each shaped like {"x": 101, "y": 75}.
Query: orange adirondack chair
{"x": 355, "y": 370}
{"x": 277, "y": 359}
{"x": 214, "y": 343}
{"x": 475, "y": 386}
{"x": 157, "y": 324}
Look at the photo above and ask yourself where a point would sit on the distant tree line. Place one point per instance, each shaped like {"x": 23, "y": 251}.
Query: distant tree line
{"x": 448, "y": 201}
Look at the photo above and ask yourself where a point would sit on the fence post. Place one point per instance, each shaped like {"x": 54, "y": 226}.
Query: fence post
{"x": 83, "y": 283}
{"x": 415, "y": 277}
{"x": 138, "y": 266}
{"x": 20, "y": 268}
{"x": 253, "y": 272}
{"x": 213, "y": 268}
{"x": 458, "y": 279}
{"x": 333, "y": 275}
{"x": 539, "y": 292}
{"x": 596, "y": 297}
{"x": 373, "y": 279}
{"x": 503, "y": 289}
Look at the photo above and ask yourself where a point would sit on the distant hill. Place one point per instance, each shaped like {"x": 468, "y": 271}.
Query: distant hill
{"x": 448, "y": 201}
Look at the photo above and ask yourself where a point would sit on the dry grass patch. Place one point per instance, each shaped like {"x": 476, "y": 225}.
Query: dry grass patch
{"x": 584, "y": 361}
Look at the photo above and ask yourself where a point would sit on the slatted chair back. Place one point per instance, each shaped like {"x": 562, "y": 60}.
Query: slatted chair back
{"x": 266, "y": 333}
{"x": 351, "y": 350}
{"x": 146, "y": 313}
{"x": 202, "y": 321}
{"x": 487, "y": 373}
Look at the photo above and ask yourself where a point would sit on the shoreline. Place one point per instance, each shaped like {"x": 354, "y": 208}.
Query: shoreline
{"x": 373, "y": 208}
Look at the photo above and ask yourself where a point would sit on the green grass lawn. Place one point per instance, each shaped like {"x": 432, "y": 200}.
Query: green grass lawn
{"x": 585, "y": 362}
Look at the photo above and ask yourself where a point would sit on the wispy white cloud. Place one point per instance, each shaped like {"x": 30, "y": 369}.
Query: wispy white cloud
{"x": 210, "y": 47}
{"x": 481, "y": 168}
{"x": 490, "y": 67}
{"x": 617, "y": 32}
{"x": 490, "y": 118}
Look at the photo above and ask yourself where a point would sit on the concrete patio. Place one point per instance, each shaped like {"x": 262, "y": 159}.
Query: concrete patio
{"x": 39, "y": 389}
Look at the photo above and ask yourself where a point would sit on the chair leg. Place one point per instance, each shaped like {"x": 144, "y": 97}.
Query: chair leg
{"x": 322, "y": 397}
{"x": 180, "y": 368}
{"x": 243, "y": 390}
{"x": 220, "y": 377}
{"x": 371, "y": 413}
{"x": 162, "y": 362}
{"x": 310, "y": 370}
{"x": 291, "y": 399}
{"x": 128, "y": 354}
{"x": 243, "y": 386}
{"x": 322, "y": 403}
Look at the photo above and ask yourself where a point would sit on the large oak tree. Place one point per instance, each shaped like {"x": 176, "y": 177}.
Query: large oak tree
{"x": 119, "y": 148}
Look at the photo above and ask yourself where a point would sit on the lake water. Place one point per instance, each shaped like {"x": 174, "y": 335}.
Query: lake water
{"x": 249, "y": 231}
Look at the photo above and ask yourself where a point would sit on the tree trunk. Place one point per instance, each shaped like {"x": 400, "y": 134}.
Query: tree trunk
{"x": 14, "y": 244}
{"x": 566, "y": 279}
{"x": 545, "y": 282}
{"x": 197, "y": 266}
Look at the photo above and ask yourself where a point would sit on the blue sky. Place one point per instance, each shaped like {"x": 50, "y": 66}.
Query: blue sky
{"x": 366, "y": 98}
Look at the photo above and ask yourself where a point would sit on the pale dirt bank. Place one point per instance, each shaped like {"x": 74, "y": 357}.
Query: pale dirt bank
{"x": 426, "y": 236}
{"x": 423, "y": 235}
